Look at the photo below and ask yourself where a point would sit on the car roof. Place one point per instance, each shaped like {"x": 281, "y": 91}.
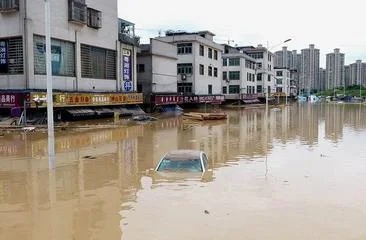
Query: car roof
{"x": 183, "y": 155}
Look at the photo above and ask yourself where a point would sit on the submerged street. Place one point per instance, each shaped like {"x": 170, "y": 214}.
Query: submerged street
{"x": 301, "y": 178}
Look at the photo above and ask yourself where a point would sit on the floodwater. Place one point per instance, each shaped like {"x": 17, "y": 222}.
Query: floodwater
{"x": 301, "y": 178}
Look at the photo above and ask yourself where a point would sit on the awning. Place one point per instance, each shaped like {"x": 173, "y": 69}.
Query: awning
{"x": 248, "y": 101}
{"x": 81, "y": 112}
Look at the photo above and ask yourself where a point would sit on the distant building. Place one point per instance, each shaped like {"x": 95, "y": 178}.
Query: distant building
{"x": 265, "y": 67}
{"x": 309, "y": 70}
{"x": 322, "y": 79}
{"x": 347, "y": 75}
{"x": 335, "y": 69}
{"x": 357, "y": 73}
{"x": 284, "y": 58}
{"x": 239, "y": 74}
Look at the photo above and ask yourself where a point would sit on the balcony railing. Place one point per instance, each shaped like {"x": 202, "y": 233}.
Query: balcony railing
{"x": 132, "y": 40}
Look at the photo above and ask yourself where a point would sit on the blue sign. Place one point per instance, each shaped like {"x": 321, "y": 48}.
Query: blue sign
{"x": 127, "y": 86}
{"x": 4, "y": 63}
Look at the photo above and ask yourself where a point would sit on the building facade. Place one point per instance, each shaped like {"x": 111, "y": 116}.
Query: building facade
{"x": 157, "y": 73}
{"x": 239, "y": 75}
{"x": 91, "y": 49}
{"x": 322, "y": 79}
{"x": 283, "y": 81}
{"x": 309, "y": 70}
{"x": 357, "y": 73}
{"x": 264, "y": 68}
{"x": 335, "y": 69}
{"x": 284, "y": 58}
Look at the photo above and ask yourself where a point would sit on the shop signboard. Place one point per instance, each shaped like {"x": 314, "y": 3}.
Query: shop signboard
{"x": 168, "y": 99}
{"x": 4, "y": 61}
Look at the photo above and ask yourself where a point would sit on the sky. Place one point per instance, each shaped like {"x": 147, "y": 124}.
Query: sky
{"x": 325, "y": 23}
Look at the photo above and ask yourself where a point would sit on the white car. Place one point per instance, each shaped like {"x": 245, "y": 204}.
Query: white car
{"x": 183, "y": 161}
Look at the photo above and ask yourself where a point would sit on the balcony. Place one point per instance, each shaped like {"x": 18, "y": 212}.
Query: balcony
{"x": 126, "y": 33}
{"x": 9, "y": 6}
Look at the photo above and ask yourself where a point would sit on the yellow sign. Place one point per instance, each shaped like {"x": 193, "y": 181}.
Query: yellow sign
{"x": 38, "y": 99}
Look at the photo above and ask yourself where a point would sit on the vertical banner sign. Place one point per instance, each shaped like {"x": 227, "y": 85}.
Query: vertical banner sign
{"x": 127, "y": 85}
{"x": 4, "y": 63}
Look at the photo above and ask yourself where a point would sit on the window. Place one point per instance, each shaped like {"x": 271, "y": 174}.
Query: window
{"x": 94, "y": 18}
{"x": 9, "y": 5}
{"x": 184, "y": 87}
{"x": 279, "y": 89}
{"x": 259, "y": 89}
{"x": 184, "y": 68}
{"x": 202, "y": 50}
{"x": 234, "y": 61}
{"x": 209, "y": 71}
{"x": 278, "y": 80}
{"x": 62, "y": 57}
{"x": 259, "y": 77}
{"x": 224, "y": 61}
{"x": 279, "y": 73}
{"x": 210, "y": 53}
{"x": 97, "y": 62}
{"x": 259, "y": 65}
{"x": 224, "y": 75}
{"x": 234, "y": 75}
{"x": 202, "y": 69}
{"x": 11, "y": 56}
{"x": 140, "y": 68}
{"x": 215, "y": 72}
{"x": 224, "y": 90}
{"x": 215, "y": 54}
{"x": 184, "y": 48}
{"x": 269, "y": 78}
{"x": 210, "y": 89}
{"x": 249, "y": 64}
{"x": 234, "y": 89}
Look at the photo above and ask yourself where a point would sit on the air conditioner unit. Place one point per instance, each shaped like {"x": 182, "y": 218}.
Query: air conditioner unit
{"x": 78, "y": 11}
{"x": 9, "y": 5}
{"x": 94, "y": 18}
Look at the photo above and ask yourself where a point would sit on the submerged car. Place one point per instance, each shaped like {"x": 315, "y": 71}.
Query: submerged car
{"x": 183, "y": 161}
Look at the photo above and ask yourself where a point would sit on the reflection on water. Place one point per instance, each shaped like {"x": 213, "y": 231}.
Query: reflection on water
{"x": 103, "y": 186}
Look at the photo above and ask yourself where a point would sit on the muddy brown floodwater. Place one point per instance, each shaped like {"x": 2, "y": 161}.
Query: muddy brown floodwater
{"x": 301, "y": 178}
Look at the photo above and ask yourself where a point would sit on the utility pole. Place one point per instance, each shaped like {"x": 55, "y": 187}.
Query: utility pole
{"x": 51, "y": 132}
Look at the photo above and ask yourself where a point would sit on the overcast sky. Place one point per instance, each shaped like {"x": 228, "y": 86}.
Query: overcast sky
{"x": 325, "y": 23}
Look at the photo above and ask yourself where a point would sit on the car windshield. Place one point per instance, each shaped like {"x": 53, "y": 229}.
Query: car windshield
{"x": 193, "y": 165}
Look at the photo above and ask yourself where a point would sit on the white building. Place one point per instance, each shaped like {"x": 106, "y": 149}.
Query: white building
{"x": 239, "y": 74}
{"x": 86, "y": 53}
{"x": 199, "y": 64}
{"x": 264, "y": 69}
{"x": 283, "y": 81}
{"x": 157, "y": 72}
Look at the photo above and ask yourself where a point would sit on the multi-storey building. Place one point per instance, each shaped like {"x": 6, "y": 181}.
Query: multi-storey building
{"x": 284, "y": 58}
{"x": 322, "y": 79}
{"x": 309, "y": 70}
{"x": 335, "y": 69}
{"x": 283, "y": 81}
{"x": 239, "y": 75}
{"x": 199, "y": 65}
{"x": 91, "y": 49}
{"x": 347, "y": 75}
{"x": 157, "y": 73}
{"x": 357, "y": 73}
{"x": 264, "y": 69}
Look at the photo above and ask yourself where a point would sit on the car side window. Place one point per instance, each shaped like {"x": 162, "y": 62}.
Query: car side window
{"x": 205, "y": 161}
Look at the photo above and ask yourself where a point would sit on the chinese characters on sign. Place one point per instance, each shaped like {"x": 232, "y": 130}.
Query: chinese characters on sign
{"x": 9, "y": 100}
{"x": 4, "y": 57}
{"x": 168, "y": 99}
{"x": 127, "y": 85}
{"x": 178, "y": 99}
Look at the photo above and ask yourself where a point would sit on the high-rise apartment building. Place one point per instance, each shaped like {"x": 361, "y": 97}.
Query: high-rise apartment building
{"x": 357, "y": 73}
{"x": 322, "y": 78}
{"x": 335, "y": 69}
{"x": 283, "y": 58}
{"x": 309, "y": 70}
